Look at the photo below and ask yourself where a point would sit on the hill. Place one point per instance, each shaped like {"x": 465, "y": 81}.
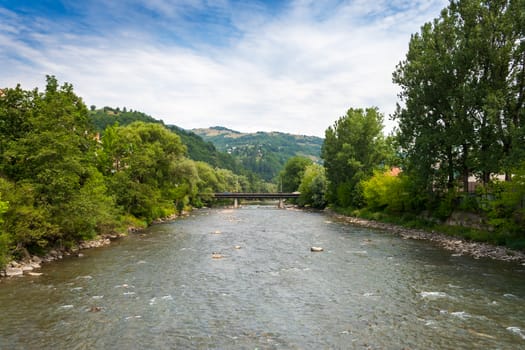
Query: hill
{"x": 264, "y": 153}
{"x": 198, "y": 149}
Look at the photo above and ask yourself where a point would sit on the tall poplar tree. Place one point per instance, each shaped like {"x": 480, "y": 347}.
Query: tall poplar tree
{"x": 354, "y": 146}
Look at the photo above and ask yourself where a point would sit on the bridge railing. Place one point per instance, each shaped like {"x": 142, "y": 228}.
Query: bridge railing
{"x": 261, "y": 195}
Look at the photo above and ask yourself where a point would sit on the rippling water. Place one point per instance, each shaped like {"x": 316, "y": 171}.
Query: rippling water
{"x": 164, "y": 290}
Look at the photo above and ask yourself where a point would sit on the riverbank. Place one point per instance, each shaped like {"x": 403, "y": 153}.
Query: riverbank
{"x": 456, "y": 245}
{"x": 32, "y": 263}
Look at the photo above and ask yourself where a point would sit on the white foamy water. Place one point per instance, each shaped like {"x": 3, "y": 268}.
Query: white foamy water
{"x": 461, "y": 314}
{"x": 517, "y": 331}
{"x": 433, "y": 295}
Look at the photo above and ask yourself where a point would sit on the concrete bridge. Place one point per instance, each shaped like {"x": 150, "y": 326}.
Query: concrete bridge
{"x": 281, "y": 196}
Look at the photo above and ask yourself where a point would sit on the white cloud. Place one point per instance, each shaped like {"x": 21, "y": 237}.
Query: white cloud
{"x": 295, "y": 72}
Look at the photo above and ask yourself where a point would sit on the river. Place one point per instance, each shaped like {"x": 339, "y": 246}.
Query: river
{"x": 164, "y": 289}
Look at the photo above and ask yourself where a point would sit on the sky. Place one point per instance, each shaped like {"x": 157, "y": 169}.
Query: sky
{"x": 289, "y": 66}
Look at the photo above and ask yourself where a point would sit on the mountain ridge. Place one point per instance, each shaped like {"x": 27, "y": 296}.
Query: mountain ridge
{"x": 265, "y": 153}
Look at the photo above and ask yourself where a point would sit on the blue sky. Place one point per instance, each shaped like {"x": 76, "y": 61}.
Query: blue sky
{"x": 291, "y": 66}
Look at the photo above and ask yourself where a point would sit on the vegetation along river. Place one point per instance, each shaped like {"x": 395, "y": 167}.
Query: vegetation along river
{"x": 164, "y": 289}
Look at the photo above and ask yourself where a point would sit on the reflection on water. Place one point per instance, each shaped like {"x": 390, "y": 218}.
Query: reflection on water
{"x": 246, "y": 279}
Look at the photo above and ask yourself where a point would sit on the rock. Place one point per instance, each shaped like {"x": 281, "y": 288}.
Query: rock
{"x": 27, "y": 268}
{"x": 217, "y": 232}
{"x": 95, "y": 309}
{"x": 237, "y": 247}
{"x": 14, "y": 264}
{"x": 36, "y": 259}
{"x": 217, "y": 256}
{"x": 13, "y": 271}
{"x": 316, "y": 249}
{"x": 35, "y": 273}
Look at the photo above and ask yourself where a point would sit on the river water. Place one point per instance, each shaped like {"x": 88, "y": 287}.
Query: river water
{"x": 163, "y": 289}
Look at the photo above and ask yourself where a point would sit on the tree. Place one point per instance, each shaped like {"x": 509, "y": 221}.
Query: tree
{"x": 292, "y": 173}
{"x": 313, "y": 187}
{"x": 49, "y": 157}
{"x": 139, "y": 160}
{"x": 354, "y": 146}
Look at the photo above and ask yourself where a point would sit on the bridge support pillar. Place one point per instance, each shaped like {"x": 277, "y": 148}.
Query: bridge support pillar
{"x": 236, "y": 203}
{"x": 281, "y": 203}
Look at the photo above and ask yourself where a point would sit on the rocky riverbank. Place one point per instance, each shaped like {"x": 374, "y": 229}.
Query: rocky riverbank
{"x": 454, "y": 244}
{"x": 32, "y": 264}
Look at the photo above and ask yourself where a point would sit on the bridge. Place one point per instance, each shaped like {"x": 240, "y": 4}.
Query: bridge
{"x": 281, "y": 196}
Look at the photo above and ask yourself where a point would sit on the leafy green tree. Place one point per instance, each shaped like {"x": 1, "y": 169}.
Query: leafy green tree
{"x": 138, "y": 160}
{"x": 51, "y": 157}
{"x": 292, "y": 173}
{"x": 354, "y": 146}
{"x": 228, "y": 181}
{"x": 313, "y": 187}
{"x": 185, "y": 177}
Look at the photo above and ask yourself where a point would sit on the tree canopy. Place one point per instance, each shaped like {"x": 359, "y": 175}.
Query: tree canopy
{"x": 354, "y": 146}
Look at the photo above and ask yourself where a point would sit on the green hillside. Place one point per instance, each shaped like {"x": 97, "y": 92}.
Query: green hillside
{"x": 264, "y": 153}
{"x": 198, "y": 149}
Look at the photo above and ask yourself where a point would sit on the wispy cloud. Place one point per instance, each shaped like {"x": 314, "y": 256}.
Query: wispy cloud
{"x": 197, "y": 63}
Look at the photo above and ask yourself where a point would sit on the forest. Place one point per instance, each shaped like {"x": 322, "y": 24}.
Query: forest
{"x": 67, "y": 174}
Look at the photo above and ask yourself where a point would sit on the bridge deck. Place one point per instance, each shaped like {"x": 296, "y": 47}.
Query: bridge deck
{"x": 246, "y": 195}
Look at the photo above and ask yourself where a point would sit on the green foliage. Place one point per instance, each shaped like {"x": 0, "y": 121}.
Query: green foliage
{"x": 386, "y": 191}
{"x": 292, "y": 174}
{"x": 197, "y": 148}
{"x": 263, "y": 153}
{"x": 354, "y": 146}
{"x": 48, "y": 162}
{"x": 138, "y": 161}
{"x": 4, "y": 237}
{"x": 506, "y": 211}
{"x": 313, "y": 187}
{"x": 26, "y": 223}
{"x": 205, "y": 151}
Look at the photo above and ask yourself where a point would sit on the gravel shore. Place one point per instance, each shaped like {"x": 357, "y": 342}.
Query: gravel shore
{"x": 456, "y": 245}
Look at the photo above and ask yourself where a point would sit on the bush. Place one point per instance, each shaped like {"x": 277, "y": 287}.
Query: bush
{"x": 385, "y": 191}
{"x": 313, "y": 187}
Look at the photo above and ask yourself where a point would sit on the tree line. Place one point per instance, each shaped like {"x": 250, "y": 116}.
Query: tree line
{"x": 460, "y": 140}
